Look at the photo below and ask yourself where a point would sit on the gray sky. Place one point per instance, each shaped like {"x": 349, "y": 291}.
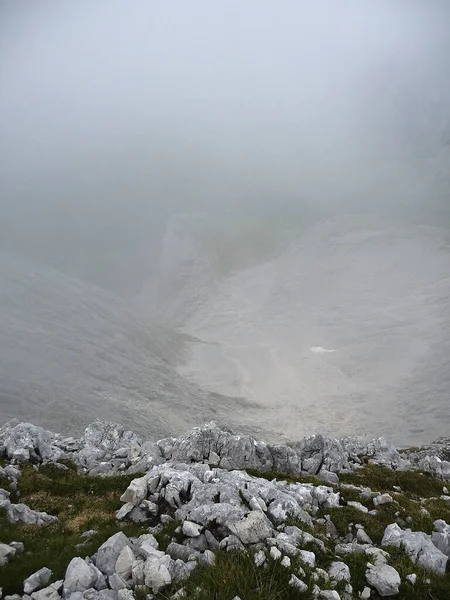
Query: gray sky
{"x": 114, "y": 114}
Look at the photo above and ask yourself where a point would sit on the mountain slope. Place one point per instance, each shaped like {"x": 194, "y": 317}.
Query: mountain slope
{"x": 71, "y": 352}
{"x": 346, "y": 331}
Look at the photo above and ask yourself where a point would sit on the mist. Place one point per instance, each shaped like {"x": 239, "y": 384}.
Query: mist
{"x": 115, "y": 117}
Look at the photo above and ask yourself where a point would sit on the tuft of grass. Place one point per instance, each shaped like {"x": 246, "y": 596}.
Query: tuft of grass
{"x": 382, "y": 479}
{"x": 357, "y": 563}
{"x": 374, "y": 525}
{"x": 80, "y": 502}
{"x": 235, "y": 574}
{"x": 167, "y": 534}
{"x": 67, "y": 483}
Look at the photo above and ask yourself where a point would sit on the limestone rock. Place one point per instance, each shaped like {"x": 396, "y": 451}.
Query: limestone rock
{"x": 116, "y": 582}
{"x": 180, "y": 570}
{"x": 307, "y": 557}
{"x": 27, "y": 442}
{"x": 191, "y": 529}
{"x": 382, "y": 499}
{"x": 358, "y": 506}
{"x": 37, "y": 580}
{"x": 318, "y": 452}
{"x": 6, "y": 553}
{"x": 275, "y": 554}
{"x": 329, "y": 595}
{"x": 136, "y": 491}
{"x": 253, "y": 528}
{"x": 260, "y": 558}
{"x": 156, "y": 575}
{"x": 109, "y": 552}
{"x": 384, "y": 579}
{"x": 362, "y": 537}
{"x": 124, "y": 563}
{"x": 298, "y": 583}
{"x": 418, "y": 546}
{"x": 52, "y": 592}
{"x": 441, "y": 536}
{"x": 285, "y": 562}
{"x": 339, "y": 571}
{"x": 21, "y": 513}
{"x": 79, "y": 577}
{"x": 179, "y": 551}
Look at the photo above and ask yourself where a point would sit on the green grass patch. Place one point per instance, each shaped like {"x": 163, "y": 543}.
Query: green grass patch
{"x": 167, "y": 534}
{"x": 382, "y": 479}
{"x": 374, "y": 525}
{"x": 80, "y": 502}
{"x": 235, "y": 574}
{"x": 357, "y": 565}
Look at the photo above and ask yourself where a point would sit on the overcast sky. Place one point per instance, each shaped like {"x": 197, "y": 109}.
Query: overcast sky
{"x": 114, "y": 113}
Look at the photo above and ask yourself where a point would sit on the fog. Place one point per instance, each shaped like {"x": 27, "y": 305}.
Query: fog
{"x": 115, "y": 116}
{"x": 228, "y": 210}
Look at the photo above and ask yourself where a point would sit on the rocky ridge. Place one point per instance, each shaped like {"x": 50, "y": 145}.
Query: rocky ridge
{"x": 219, "y": 493}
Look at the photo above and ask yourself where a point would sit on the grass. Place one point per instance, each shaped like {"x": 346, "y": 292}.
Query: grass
{"x": 80, "y": 502}
{"x": 357, "y": 565}
{"x": 382, "y": 479}
{"x": 167, "y": 534}
{"x": 83, "y": 502}
{"x": 235, "y": 574}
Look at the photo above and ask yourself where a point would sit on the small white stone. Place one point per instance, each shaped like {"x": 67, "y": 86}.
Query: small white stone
{"x": 362, "y": 537}
{"x": 301, "y": 572}
{"x": 329, "y": 595}
{"x": 275, "y": 553}
{"x": 307, "y": 557}
{"x": 382, "y": 499}
{"x": 411, "y": 578}
{"x": 358, "y": 506}
{"x": 298, "y": 583}
{"x": 286, "y": 562}
{"x": 339, "y": 571}
{"x": 191, "y": 529}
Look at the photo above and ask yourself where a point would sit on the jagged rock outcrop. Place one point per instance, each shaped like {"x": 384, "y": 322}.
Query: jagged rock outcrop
{"x": 441, "y": 536}
{"x": 25, "y": 442}
{"x": 107, "y": 448}
{"x": 21, "y": 513}
{"x": 419, "y": 547}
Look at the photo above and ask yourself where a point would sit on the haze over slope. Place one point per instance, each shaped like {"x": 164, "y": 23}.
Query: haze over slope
{"x": 345, "y": 330}
{"x": 71, "y": 352}
{"x": 173, "y": 168}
